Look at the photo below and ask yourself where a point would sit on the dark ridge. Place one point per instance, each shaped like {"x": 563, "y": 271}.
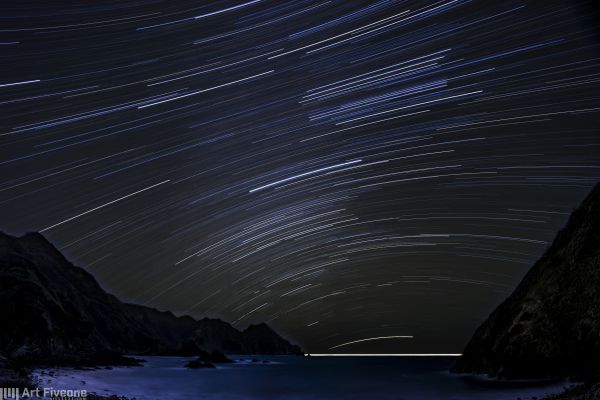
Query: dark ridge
{"x": 56, "y": 313}
{"x": 550, "y": 326}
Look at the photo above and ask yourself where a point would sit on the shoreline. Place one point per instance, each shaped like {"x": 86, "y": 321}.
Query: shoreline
{"x": 240, "y": 378}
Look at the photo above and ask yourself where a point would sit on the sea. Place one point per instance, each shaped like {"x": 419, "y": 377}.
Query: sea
{"x": 294, "y": 378}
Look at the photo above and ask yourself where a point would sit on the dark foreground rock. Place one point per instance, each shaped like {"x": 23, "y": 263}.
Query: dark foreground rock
{"x": 15, "y": 378}
{"x": 588, "y": 391}
{"x": 54, "y": 313}
{"x": 550, "y": 326}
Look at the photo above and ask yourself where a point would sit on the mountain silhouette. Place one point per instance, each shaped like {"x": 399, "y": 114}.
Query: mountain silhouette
{"x": 55, "y": 312}
{"x": 550, "y": 325}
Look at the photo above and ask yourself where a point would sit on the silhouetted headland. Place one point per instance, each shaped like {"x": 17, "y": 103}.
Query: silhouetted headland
{"x": 550, "y": 326}
{"x": 55, "y": 313}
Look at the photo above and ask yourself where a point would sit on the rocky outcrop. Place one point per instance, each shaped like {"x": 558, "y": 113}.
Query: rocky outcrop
{"x": 207, "y": 360}
{"x": 550, "y": 325}
{"x": 586, "y": 391}
{"x": 215, "y": 357}
{"x": 55, "y": 312}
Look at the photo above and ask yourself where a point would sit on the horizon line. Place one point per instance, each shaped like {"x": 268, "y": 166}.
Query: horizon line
{"x": 383, "y": 354}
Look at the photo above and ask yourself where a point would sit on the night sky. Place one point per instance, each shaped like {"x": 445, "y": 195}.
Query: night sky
{"x": 343, "y": 170}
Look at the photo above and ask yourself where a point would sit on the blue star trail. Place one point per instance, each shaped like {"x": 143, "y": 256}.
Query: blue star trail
{"x": 343, "y": 170}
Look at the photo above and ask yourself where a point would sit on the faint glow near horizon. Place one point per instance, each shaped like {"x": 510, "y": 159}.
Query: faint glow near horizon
{"x": 383, "y": 355}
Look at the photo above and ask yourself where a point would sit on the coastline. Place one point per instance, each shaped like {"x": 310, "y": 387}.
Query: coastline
{"x": 276, "y": 377}
{"x": 31, "y": 377}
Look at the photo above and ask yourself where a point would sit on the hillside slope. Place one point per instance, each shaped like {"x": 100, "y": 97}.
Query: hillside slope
{"x": 550, "y": 325}
{"x": 53, "y": 311}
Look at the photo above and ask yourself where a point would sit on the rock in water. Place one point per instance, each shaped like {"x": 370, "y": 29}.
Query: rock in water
{"x": 215, "y": 357}
{"x": 550, "y": 325}
{"x": 207, "y": 360}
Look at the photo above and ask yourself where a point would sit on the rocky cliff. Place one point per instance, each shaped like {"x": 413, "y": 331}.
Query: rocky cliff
{"x": 55, "y": 312}
{"x": 550, "y": 325}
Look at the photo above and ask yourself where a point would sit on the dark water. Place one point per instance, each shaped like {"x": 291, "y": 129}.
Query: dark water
{"x": 295, "y": 378}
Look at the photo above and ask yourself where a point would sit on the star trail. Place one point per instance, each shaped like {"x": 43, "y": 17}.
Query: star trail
{"x": 351, "y": 172}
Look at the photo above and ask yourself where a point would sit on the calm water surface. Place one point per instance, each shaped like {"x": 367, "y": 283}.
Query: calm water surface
{"x": 294, "y": 378}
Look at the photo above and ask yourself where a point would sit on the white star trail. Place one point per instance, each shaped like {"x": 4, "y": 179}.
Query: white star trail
{"x": 102, "y": 206}
{"x": 370, "y": 339}
{"x": 339, "y": 169}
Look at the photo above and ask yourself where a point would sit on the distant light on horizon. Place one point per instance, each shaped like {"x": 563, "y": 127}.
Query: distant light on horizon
{"x": 383, "y": 355}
